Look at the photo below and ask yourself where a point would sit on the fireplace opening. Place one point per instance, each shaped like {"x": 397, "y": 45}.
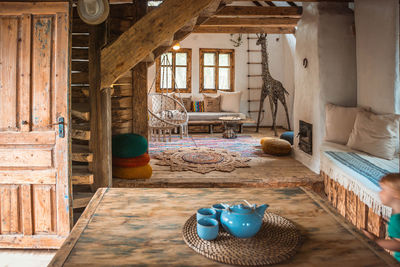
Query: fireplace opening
{"x": 305, "y": 137}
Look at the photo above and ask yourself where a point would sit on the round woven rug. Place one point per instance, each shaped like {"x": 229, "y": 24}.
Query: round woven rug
{"x": 201, "y": 159}
{"x": 277, "y": 241}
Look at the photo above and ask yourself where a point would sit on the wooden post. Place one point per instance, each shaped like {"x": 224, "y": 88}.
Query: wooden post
{"x": 139, "y": 86}
{"x": 104, "y": 160}
{"x": 100, "y": 128}
{"x": 139, "y": 99}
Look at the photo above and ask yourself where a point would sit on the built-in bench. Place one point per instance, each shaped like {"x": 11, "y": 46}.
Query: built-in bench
{"x": 351, "y": 180}
{"x": 209, "y": 121}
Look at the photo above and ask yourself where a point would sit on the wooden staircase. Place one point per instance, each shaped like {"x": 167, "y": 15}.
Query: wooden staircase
{"x": 82, "y": 157}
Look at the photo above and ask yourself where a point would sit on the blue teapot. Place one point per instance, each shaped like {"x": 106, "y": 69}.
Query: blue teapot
{"x": 243, "y": 221}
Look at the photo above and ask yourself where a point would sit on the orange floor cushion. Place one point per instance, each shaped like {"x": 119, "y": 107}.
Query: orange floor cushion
{"x": 276, "y": 146}
{"x": 141, "y": 160}
{"x": 265, "y": 138}
{"x": 143, "y": 172}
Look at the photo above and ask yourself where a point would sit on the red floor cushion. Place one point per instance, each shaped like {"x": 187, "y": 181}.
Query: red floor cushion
{"x": 131, "y": 162}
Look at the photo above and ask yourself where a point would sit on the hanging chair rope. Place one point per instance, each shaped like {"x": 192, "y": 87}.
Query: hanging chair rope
{"x": 166, "y": 112}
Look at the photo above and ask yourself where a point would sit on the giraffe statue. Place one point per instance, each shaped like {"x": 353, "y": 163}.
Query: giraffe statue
{"x": 271, "y": 87}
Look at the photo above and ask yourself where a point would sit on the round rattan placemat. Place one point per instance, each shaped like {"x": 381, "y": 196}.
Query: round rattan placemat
{"x": 277, "y": 241}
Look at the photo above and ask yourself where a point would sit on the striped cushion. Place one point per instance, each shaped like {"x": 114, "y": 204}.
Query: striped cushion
{"x": 131, "y": 162}
{"x": 143, "y": 172}
{"x": 198, "y": 106}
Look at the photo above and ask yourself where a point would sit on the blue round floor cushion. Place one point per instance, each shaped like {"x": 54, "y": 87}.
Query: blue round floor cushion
{"x": 128, "y": 145}
{"x": 288, "y": 136}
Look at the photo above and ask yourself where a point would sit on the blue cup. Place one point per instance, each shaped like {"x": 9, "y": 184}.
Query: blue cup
{"x": 207, "y": 228}
{"x": 206, "y": 213}
{"x": 218, "y": 208}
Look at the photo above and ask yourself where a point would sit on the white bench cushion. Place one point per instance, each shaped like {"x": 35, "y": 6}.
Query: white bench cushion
{"x": 212, "y": 116}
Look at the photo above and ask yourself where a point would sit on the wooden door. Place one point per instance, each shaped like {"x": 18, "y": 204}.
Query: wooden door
{"x": 35, "y": 170}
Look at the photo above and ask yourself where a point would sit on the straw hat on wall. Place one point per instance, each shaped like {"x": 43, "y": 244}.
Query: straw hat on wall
{"x": 93, "y": 11}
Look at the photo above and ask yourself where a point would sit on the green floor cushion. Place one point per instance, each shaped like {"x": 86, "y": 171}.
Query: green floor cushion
{"x": 276, "y": 147}
{"x": 143, "y": 172}
{"x": 131, "y": 162}
{"x": 128, "y": 145}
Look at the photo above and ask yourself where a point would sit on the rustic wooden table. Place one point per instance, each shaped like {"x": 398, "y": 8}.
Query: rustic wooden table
{"x": 144, "y": 227}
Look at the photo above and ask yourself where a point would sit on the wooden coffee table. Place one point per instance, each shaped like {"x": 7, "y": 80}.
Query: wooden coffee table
{"x": 230, "y": 124}
{"x": 128, "y": 227}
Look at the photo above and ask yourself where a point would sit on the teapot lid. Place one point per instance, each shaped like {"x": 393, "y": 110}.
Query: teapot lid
{"x": 241, "y": 209}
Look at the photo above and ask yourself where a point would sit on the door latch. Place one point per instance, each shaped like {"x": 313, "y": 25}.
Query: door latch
{"x": 61, "y": 127}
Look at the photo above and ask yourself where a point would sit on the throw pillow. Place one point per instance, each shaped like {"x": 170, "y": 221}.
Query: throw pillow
{"x": 185, "y": 101}
{"x": 375, "y": 134}
{"x": 230, "y": 101}
{"x": 198, "y": 106}
{"x": 339, "y": 122}
{"x": 212, "y": 103}
{"x": 128, "y": 145}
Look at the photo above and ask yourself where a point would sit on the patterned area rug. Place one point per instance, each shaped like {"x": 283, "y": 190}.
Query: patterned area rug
{"x": 246, "y": 145}
{"x": 201, "y": 159}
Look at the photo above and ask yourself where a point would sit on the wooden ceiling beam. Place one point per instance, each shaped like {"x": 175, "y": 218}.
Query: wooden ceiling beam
{"x": 252, "y": 22}
{"x": 145, "y": 35}
{"x": 219, "y": 29}
{"x": 301, "y": 1}
{"x": 253, "y": 11}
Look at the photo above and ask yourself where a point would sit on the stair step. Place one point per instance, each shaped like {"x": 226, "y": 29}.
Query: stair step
{"x": 81, "y": 153}
{"x": 79, "y": 92}
{"x": 80, "y": 131}
{"x": 81, "y": 111}
{"x": 81, "y": 199}
{"x": 81, "y": 175}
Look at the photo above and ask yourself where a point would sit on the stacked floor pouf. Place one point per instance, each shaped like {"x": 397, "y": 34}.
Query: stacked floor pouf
{"x": 130, "y": 157}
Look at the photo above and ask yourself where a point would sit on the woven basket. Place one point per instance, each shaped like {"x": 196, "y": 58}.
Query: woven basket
{"x": 277, "y": 241}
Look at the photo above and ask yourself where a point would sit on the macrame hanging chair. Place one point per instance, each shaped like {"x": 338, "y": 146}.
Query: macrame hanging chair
{"x": 167, "y": 114}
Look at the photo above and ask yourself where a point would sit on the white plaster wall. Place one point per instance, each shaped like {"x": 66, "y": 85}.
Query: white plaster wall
{"x": 325, "y": 38}
{"x": 306, "y": 79}
{"x": 281, "y": 51}
{"x": 377, "y": 28}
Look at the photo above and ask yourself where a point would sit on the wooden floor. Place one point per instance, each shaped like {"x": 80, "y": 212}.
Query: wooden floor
{"x": 268, "y": 172}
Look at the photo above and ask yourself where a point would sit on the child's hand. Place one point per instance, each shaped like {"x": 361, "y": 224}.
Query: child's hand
{"x": 369, "y": 235}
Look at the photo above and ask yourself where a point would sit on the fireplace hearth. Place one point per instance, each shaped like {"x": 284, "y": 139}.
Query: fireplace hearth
{"x": 305, "y": 137}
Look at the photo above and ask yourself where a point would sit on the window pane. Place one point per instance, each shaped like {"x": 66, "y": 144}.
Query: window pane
{"x": 209, "y": 78}
{"x": 166, "y": 77}
{"x": 224, "y": 78}
{"x": 166, "y": 59}
{"x": 181, "y": 59}
{"x": 209, "y": 59}
{"x": 224, "y": 60}
{"x": 180, "y": 77}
